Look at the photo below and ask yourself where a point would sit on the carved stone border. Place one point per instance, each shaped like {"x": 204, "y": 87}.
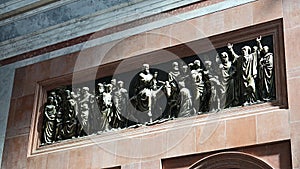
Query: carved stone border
{"x": 274, "y": 28}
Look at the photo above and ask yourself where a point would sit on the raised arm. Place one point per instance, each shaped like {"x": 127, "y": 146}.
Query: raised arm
{"x": 230, "y": 47}
{"x": 260, "y": 47}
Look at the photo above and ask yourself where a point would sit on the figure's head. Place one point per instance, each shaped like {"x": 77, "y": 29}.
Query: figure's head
{"x": 197, "y": 63}
{"x": 73, "y": 95}
{"x": 224, "y": 57}
{"x": 266, "y": 49}
{"x": 191, "y": 65}
{"x": 255, "y": 48}
{"x": 53, "y": 94}
{"x": 85, "y": 90}
{"x": 68, "y": 93}
{"x": 155, "y": 74}
{"x": 50, "y": 99}
{"x": 113, "y": 82}
{"x": 246, "y": 50}
{"x": 207, "y": 64}
{"x": 146, "y": 67}
{"x": 181, "y": 84}
{"x": 121, "y": 84}
{"x": 175, "y": 65}
{"x": 108, "y": 87}
{"x": 77, "y": 90}
{"x": 100, "y": 87}
{"x": 185, "y": 68}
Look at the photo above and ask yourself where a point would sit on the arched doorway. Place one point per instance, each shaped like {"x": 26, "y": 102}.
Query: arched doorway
{"x": 230, "y": 160}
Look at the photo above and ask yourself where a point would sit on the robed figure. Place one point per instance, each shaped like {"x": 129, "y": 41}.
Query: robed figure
{"x": 49, "y": 121}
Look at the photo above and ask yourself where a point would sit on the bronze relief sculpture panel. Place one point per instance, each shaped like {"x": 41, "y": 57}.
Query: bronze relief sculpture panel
{"x": 235, "y": 75}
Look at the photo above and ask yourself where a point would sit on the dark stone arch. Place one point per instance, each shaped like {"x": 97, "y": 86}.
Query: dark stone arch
{"x": 230, "y": 160}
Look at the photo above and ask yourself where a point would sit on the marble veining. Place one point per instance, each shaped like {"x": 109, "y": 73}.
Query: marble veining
{"x": 55, "y": 16}
{"x": 66, "y": 32}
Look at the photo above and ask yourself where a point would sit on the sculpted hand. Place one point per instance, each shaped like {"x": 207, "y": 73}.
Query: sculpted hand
{"x": 230, "y": 46}
{"x": 258, "y": 39}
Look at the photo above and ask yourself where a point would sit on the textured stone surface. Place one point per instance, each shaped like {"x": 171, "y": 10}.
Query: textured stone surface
{"x": 241, "y": 132}
{"x": 292, "y": 47}
{"x": 273, "y": 126}
{"x": 181, "y": 141}
{"x": 293, "y": 99}
{"x": 156, "y": 146}
{"x": 15, "y": 152}
{"x": 291, "y": 11}
{"x": 37, "y": 162}
{"x": 295, "y": 144}
{"x": 6, "y": 85}
{"x": 210, "y": 136}
{"x": 104, "y": 155}
{"x": 55, "y": 16}
{"x": 59, "y": 160}
{"x": 19, "y": 119}
{"x": 5, "y": 1}
{"x": 96, "y": 23}
{"x": 1, "y": 147}
{"x": 264, "y": 10}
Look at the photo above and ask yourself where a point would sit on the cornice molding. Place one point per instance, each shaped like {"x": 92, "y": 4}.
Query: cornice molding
{"x": 47, "y": 13}
{"x": 87, "y": 24}
{"x": 15, "y": 7}
{"x": 106, "y": 19}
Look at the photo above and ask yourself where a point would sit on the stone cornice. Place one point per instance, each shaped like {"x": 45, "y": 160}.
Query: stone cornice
{"x": 87, "y": 24}
{"x": 99, "y": 21}
{"x": 15, "y": 7}
{"x": 46, "y": 7}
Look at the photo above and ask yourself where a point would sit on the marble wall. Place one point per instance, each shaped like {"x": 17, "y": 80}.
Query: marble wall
{"x": 72, "y": 28}
{"x": 4, "y": 1}
{"x": 61, "y": 13}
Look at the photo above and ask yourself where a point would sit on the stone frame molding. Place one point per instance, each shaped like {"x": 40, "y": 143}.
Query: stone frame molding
{"x": 273, "y": 28}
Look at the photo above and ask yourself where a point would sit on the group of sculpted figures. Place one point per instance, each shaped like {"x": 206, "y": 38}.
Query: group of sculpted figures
{"x": 191, "y": 89}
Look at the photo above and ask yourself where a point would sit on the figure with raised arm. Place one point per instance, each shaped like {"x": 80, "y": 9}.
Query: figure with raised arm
{"x": 247, "y": 65}
{"x": 228, "y": 71}
{"x": 266, "y": 72}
